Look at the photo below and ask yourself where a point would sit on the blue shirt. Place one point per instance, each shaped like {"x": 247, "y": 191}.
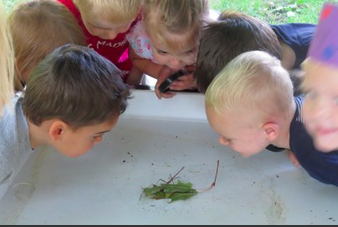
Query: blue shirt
{"x": 319, "y": 165}
{"x": 298, "y": 37}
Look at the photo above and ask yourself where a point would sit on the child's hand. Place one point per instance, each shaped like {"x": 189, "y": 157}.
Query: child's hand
{"x": 164, "y": 74}
{"x": 293, "y": 159}
{"x": 183, "y": 83}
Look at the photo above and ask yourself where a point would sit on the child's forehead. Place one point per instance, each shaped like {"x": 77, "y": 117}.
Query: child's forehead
{"x": 178, "y": 52}
{"x": 176, "y": 44}
{"x": 227, "y": 114}
{"x": 320, "y": 74}
{"x": 104, "y": 22}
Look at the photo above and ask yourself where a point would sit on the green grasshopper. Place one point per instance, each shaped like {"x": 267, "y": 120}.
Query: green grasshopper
{"x": 175, "y": 191}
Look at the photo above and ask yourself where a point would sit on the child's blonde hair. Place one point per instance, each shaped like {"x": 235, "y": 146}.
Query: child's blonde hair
{"x": 38, "y": 27}
{"x": 253, "y": 80}
{"x": 166, "y": 18}
{"x": 6, "y": 62}
{"x": 117, "y": 11}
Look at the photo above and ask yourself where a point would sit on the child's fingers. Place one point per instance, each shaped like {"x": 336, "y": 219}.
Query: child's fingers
{"x": 165, "y": 95}
{"x": 168, "y": 95}
{"x": 293, "y": 159}
{"x": 185, "y": 82}
{"x": 178, "y": 86}
{"x": 161, "y": 95}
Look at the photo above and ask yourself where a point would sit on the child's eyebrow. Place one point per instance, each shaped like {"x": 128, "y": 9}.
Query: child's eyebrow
{"x": 103, "y": 132}
{"x": 159, "y": 49}
{"x": 303, "y": 85}
{"x": 98, "y": 26}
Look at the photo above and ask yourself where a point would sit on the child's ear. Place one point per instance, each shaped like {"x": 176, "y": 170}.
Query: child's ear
{"x": 271, "y": 130}
{"x": 57, "y": 130}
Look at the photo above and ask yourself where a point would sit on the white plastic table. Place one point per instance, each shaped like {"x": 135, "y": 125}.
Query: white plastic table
{"x": 153, "y": 140}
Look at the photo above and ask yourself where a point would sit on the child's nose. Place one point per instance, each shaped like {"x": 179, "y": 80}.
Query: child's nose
{"x": 176, "y": 63}
{"x": 223, "y": 141}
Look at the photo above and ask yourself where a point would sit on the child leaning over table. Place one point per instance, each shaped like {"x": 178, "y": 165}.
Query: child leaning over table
{"x": 320, "y": 82}
{"x": 250, "y": 104}
{"x": 37, "y": 28}
{"x": 105, "y": 24}
{"x": 166, "y": 40}
{"x": 235, "y": 33}
{"x": 73, "y": 97}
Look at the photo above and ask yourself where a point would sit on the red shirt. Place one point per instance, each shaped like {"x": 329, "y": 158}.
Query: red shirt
{"x": 115, "y": 50}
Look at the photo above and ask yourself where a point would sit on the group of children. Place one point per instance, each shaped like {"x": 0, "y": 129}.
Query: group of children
{"x": 251, "y": 104}
{"x": 56, "y": 52}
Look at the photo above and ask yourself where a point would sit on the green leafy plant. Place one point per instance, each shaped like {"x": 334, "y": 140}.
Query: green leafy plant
{"x": 175, "y": 191}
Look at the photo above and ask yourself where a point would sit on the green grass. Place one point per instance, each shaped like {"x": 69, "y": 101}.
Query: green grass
{"x": 272, "y": 11}
{"x": 275, "y": 11}
{"x": 9, "y": 3}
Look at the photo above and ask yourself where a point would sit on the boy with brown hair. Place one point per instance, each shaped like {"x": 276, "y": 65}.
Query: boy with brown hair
{"x": 235, "y": 33}
{"x": 73, "y": 97}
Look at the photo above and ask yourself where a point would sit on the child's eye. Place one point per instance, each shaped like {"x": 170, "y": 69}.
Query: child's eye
{"x": 162, "y": 52}
{"x": 310, "y": 94}
{"x": 97, "y": 137}
{"x": 190, "y": 52}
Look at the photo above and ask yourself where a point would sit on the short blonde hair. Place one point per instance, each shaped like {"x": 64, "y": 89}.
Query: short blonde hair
{"x": 253, "y": 80}
{"x": 166, "y": 18}
{"x": 38, "y": 27}
{"x": 117, "y": 11}
{"x": 6, "y": 62}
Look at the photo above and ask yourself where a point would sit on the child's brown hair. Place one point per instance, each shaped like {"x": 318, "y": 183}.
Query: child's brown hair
{"x": 37, "y": 28}
{"x": 76, "y": 85}
{"x": 234, "y": 33}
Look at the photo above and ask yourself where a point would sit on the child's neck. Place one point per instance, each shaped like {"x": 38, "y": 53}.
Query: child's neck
{"x": 37, "y": 135}
{"x": 283, "y": 139}
{"x": 288, "y": 56}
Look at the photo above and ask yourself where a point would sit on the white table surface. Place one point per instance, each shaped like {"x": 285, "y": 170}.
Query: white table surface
{"x": 153, "y": 140}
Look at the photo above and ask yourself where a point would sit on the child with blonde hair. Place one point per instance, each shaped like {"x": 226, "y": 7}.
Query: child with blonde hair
{"x": 73, "y": 97}
{"x": 321, "y": 82}
{"x": 250, "y": 104}
{"x": 105, "y": 24}
{"x": 37, "y": 28}
{"x": 6, "y": 62}
{"x": 167, "y": 40}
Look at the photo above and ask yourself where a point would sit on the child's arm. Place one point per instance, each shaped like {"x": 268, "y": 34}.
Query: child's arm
{"x": 288, "y": 56}
{"x": 135, "y": 74}
{"x": 145, "y": 65}
{"x": 159, "y": 72}
{"x": 185, "y": 82}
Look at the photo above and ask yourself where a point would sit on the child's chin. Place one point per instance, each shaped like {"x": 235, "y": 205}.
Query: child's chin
{"x": 325, "y": 146}
{"x": 246, "y": 155}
